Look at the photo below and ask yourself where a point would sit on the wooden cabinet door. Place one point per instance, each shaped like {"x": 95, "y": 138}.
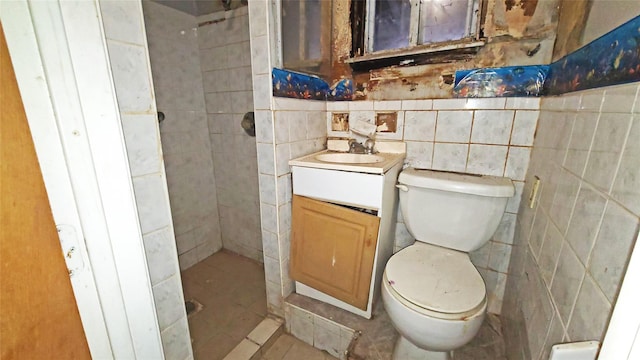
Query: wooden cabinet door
{"x": 333, "y": 249}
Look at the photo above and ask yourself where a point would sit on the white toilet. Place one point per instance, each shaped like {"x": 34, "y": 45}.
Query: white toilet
{"x": 432, "y": 292}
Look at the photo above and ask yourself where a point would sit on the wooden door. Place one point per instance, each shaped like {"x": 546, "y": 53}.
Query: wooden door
{"x": 39, "y": 317}
{"x": 333, "y": 249}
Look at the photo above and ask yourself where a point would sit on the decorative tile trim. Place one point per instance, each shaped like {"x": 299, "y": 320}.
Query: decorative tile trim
{"x": 612, "y": 59}
{"x": 341, "y": 91}
{"x": 302, "y": 86}
{"x": 298, "y": 86}
{"x": 508, "y": 81}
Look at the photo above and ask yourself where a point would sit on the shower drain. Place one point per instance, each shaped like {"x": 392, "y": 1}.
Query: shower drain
{"x": 193, "y": 307}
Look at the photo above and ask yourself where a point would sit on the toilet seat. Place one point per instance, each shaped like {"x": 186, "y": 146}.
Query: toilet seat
{"x": 436, "y": 280}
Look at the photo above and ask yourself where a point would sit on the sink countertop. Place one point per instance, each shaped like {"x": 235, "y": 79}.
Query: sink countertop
{"x": 392, "y": 151}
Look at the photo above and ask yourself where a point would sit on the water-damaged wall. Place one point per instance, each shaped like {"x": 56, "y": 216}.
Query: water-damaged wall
{"x": 517, "y": 32}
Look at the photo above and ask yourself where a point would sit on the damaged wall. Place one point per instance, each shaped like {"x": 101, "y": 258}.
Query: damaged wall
{"x": 518, "y": 32}
{"x": 571, "y": 22}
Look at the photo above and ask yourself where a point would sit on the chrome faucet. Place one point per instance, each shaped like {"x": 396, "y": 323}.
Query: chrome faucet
{"x": 357, "y": 148}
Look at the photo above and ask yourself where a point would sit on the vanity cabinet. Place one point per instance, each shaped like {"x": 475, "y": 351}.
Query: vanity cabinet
{"x": 343, "y": 225}
{"x": 333, "y": 249}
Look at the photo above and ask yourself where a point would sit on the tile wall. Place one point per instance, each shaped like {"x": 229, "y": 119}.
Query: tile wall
{"x": 570, "y": 250}
{"x": 318, "y": 331}
{"x": 127, "y": 47}
{"x": 487, "y": 136}
{"x": 285, "y": 128}
{"x": 482, "y": 136}
{"x": 225, "y": 59}
{"x": 175, "y": 63}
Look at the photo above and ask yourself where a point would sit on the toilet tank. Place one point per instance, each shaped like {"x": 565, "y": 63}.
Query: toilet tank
{"x": 453, "y": 210}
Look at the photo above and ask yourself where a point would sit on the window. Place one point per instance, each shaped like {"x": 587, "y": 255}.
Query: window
{"x": 304, "y": 25}
{"x": 432, "y": 25}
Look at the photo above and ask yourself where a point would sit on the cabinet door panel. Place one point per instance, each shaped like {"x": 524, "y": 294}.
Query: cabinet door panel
{"x": 333, "y": 249}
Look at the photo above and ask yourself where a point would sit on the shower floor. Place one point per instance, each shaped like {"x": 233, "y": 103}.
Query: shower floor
{"x": 231, "y": 289}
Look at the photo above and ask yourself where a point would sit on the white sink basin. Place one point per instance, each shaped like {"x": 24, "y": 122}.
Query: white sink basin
{"x": 347, "y": 158}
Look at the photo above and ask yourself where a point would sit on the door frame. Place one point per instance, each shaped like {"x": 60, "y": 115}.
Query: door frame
{"x": 61, "y": 64}
{"x": 69, "y": 200}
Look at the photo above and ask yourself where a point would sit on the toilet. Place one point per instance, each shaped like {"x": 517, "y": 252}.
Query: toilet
{"x": 433, "y": 294}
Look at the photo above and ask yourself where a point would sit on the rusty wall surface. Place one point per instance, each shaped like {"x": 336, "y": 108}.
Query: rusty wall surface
{"x": 518, "y": 32}
{"x": 341, "y": 39}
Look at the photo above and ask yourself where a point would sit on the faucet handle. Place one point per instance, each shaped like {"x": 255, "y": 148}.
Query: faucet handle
{"x": 368, "y": 146}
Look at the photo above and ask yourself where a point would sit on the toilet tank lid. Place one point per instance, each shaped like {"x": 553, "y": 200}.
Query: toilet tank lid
{"x": 482, "y": 185}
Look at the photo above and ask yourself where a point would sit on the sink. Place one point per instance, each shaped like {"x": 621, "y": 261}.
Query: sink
{"x": 347, "y": 158}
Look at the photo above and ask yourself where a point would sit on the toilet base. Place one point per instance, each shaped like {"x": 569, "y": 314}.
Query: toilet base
{"x": 405, "y": 350}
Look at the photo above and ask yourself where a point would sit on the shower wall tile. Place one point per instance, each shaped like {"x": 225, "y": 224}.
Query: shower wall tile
{"x": 153, "y": 209}
{"x": 142, "y": 138}
{"x": 124, "y": 28}
{"x": 168, "y": 301}
{"x": 226, "y": 72}
{"x": 122, "y": 21}
{"x": 160, "y": 248}
{"x": 128, "y": 64}
{"x": 186, "y": 144}
{"x": 581, "y": 228}
{"x": 175, "y": 345}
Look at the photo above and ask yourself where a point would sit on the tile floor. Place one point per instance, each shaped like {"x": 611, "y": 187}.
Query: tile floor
{"x": 289, "y": 348}
{"x": 231, "y": 289}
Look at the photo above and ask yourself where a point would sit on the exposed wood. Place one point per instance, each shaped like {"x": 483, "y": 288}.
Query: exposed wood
{"x": 357, "y": 17}
{"x": 572, "y": 20}
{"x": 341, "y": 47}
{"x": 39, "y": 318}
{"x": 333, "y": 249}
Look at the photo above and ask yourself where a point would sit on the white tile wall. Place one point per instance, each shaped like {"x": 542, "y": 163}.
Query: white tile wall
{"x": 175, "y": 64}
{"x": 226, "y": 70}
{"x": 128, "y": 54}
{"x": 570, "y": 251}
{"x": 482, "y": 136}
{"x": 318, "y": 331}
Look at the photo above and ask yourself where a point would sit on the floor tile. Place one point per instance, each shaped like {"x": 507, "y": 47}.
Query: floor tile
{"x": 262, "y": 333}
{"x": 232, "y": 291}
{"x": 215, "y": 348}
{"x": 289, "y": 348}
{"x": 245, "y": 350}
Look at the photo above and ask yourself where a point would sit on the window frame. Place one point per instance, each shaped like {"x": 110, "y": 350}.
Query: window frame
{"x": 362, "y": 47}
{"x": 318, "y": 66}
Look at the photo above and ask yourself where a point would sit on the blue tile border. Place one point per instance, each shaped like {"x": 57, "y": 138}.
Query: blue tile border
{"x": 612, "y": 59}
{"x": 302, "y": 86}
{"x": 298, "y": 86}
{"x": 501, "y": 82}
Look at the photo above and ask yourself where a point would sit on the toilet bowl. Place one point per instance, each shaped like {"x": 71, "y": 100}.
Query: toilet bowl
{"x": 441, "y": 307}
{"x": 433, "y": 294}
